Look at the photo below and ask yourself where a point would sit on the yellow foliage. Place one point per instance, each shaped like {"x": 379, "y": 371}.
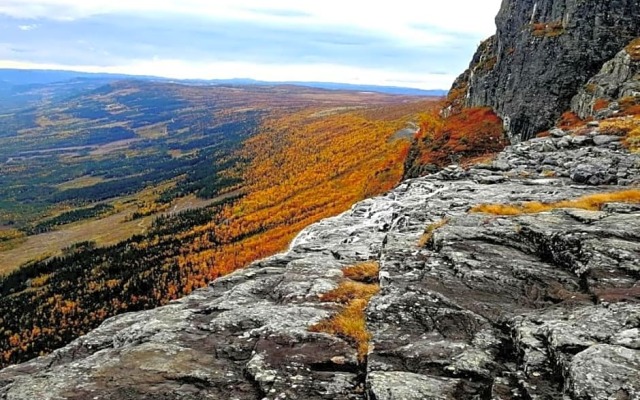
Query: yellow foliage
{"x": 349, "y": 291}
{"x": 349, "y": 323}
{"x": 591, "y": 202}
{"x": 302, "y": 169}
{"x": 366, "y": 272}
{"x": 40, "y": 280}
{"x": 10, "y": 234}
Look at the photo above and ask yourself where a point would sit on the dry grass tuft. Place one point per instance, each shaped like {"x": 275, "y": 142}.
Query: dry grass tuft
{"x": 628, "y": 127}
{"x": 429, "y": 230}
{"x": 349, "y": 291}
{"x": 366, "y": 272}
{"x": 350, "y": 323}
{"x": 592, "y": 202}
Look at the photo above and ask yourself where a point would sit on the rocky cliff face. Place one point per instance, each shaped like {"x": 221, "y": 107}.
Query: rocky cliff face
{"x": 542, "y": 53}
{"x": 613, "y": 89}
{"x": 539, "y": 306}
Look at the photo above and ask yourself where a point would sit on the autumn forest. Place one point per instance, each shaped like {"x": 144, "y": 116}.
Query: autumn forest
{"x": 139, "y": 193}
{"x": 159, "y": 188}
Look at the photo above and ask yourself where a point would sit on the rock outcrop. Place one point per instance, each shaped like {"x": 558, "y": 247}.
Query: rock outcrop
{"x": 614, "y": 88}
{"x": 542, "y": 53}
{"x": 537, "y": 306}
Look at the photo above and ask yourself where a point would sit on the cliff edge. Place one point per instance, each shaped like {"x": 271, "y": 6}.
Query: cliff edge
{"x": 472, "y": 305}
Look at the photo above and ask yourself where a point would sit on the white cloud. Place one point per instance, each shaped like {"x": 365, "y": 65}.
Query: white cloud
{"x": 398, "y": 18}
{"x": 179, "y": 69}
{"x": 27, "y": 27}
{"x": 405, "y": 25}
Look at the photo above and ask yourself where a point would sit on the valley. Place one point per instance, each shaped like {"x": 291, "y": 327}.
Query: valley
{"x": 245, "y": 240}
{"x": 136, "y": 193}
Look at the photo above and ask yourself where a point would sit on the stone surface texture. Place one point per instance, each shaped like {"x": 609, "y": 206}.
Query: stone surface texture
{"x": 539, "y": 306}
{"x": 543, "y": 52}
{"x": 618, "y": 80}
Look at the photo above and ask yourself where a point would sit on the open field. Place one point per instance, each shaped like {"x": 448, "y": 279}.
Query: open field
{"x": 104, "y": 231}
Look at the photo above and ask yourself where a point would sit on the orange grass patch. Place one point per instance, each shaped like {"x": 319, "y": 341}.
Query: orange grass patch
{"x": 591, "y": 202}
{"x": 350, "y": 323}
{"x": 366, "y": 272}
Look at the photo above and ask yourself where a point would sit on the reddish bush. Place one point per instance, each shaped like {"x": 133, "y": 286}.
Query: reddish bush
{"x": 470, "y": 133}
{"x": 601, "y": 104}
{"x": 569, "y": 120}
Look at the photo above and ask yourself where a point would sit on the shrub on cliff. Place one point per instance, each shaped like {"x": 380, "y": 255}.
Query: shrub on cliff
{"x": 468, "y": 134}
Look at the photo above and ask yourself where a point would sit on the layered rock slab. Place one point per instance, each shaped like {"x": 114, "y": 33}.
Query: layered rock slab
{"x": 540, "y": 306}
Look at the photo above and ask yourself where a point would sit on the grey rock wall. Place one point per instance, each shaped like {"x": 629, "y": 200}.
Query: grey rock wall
{"x": 618, "y": 80}
{"x": 542, "y": 53}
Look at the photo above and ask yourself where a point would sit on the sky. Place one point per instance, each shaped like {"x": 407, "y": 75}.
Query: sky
{"x": 421, "y": 44}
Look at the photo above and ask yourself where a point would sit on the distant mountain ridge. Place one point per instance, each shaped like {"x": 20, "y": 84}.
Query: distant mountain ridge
{"x": 20, "y": 88}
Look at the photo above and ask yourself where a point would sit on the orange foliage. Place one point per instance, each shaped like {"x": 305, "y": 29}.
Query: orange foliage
{"x": 601, "y": 104}
{"x": 470, "y": 133}
{"x": 569, "y": 120}
{"x": 591, "y": 202}
{"x": 302, "y": 168}
{"x": 630, "y": 105}
{"x": 543, "y": 134}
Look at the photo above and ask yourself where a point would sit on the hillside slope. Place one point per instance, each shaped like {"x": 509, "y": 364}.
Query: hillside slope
{"x": 300, "y": 164}
{"x": 539, "y": 303}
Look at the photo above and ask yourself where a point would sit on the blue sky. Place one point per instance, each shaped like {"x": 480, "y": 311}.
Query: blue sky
{"x": 400, "y": 42}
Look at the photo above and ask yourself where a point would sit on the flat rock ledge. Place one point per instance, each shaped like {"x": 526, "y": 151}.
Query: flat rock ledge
{"x": 540, "y": 306}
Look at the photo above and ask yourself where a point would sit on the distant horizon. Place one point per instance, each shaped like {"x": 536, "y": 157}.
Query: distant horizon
{"x": 355, "y": 42}
{"x": 230, "y": 80}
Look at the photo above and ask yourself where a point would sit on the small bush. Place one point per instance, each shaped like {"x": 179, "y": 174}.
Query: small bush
{"x": 591, "y": 88}
{"x": 630, "y": 105}
{"x": 627, "y": 127}
{"x": 633, "y": 49}
{"x": 467, "y": 134}
{"x": 601, "y": 104}
{"x": 569, "y": 120}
